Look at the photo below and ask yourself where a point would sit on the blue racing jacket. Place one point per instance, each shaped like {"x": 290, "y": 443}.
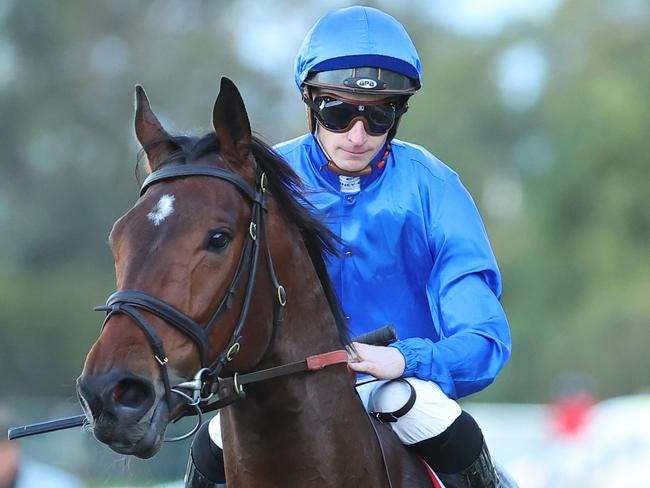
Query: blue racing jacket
{"x": 415, "y": 254}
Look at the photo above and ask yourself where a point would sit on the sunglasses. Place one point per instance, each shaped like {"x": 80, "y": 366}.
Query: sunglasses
{"x": 339, "y": 116}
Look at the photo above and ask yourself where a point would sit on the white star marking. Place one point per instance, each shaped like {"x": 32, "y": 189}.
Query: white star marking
{"x": 163, "y": 209}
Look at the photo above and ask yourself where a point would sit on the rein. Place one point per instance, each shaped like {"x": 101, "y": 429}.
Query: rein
{"x": 206, "y": 381}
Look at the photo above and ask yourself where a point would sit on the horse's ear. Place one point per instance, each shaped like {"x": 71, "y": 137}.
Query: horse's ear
{"x": 230, "y": 122}
{"x": 149, "y": 131}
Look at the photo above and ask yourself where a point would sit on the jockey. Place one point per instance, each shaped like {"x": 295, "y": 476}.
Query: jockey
{"x": 414, "y": 249}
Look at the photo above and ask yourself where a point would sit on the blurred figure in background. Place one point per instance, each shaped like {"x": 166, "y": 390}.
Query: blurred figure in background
{"x": 18, "y": 471}
{"x": 572, "y": 404}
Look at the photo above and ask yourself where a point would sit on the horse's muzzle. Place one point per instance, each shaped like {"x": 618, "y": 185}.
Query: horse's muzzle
{"x": 123, "y": 411}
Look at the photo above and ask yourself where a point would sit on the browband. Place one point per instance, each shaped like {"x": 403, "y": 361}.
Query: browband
{"x": 202, "y": 170}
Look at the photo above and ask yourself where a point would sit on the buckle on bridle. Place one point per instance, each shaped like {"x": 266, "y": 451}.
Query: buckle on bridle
{"x": 232, "y": 351}
{"x": 263, "y": 182}
{"x": 282, "y": 296}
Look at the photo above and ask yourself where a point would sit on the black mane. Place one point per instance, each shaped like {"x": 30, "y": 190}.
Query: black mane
{"x": 287, "y": 189}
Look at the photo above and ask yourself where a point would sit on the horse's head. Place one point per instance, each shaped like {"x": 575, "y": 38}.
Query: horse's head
{"x": 185, "y": 255}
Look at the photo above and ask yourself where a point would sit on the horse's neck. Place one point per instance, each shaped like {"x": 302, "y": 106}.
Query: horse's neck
{"x": 306, "y": 426}
{"x": 306, "y": 430}
{"x": 308, "y": 328}
{"x": 309, "y": 325}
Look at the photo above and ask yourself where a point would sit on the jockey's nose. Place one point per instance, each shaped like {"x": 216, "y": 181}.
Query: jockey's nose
{"x": 357, "y": 133}
{"x": 119, "y": 395}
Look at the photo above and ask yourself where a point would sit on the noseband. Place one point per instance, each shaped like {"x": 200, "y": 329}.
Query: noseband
{"x": 133, "y": 302}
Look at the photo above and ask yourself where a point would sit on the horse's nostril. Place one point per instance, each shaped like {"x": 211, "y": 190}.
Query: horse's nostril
{"x": 131, "y": 393}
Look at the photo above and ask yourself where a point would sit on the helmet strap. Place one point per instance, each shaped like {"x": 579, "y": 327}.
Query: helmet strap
{"x": 402, "y": 110}
{"x": 311, "y": 118}
{"x": 334, "y": 168}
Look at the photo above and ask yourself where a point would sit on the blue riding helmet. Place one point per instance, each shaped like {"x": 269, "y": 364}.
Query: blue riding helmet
{"x": 359, "y": 50}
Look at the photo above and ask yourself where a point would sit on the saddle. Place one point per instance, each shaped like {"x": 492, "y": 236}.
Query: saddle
{"x": 387, "y": 441}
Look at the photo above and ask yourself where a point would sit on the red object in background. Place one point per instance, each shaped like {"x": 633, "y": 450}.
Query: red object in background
{"x": 571, "y": 414}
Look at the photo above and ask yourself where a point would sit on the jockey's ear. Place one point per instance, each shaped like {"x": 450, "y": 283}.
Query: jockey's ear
{"x": 231, "y": 123}
{"x": 150, "y": 133}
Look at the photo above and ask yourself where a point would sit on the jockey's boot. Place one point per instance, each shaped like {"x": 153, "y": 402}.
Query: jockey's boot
{"x": 195, "y": 479}
{"x": 205, "y": 467}
{"x": 459, "y": 456}
{"x": 480, "y": 474}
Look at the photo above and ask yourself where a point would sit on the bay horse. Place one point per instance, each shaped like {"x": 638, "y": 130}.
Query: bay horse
{"x": 193, "y": 296}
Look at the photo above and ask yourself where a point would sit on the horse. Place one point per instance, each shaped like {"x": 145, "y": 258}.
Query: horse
{"x": 196, "y": 305}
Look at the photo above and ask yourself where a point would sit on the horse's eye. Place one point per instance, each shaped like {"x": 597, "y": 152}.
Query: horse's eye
{"x": 218, "y": 241}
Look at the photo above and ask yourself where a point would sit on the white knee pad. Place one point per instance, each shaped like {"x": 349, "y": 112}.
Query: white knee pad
{"x": 431, "y": 414}
{"x": 214, "y": 428}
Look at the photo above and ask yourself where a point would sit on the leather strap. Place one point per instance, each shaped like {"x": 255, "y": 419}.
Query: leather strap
{"x": 390, "y": 417}
{"x": 320, "y": 361}
{"x": 129, "y": 302}
{"x": 136, "y": 298}
{"x": 231, "y": 389}
{"x": 311, "y": 363}
{"x": 180, "y": 171}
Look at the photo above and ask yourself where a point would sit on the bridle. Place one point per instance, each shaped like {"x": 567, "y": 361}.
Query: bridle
{"x": 206, "y": 381}
{"x": 133, "y": 302}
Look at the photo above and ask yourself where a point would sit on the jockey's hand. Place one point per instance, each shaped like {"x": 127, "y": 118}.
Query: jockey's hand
{"x": 384, "y": 363}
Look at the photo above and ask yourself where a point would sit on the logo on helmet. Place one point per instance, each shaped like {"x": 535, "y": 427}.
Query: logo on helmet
{"x": 366, "y": 83}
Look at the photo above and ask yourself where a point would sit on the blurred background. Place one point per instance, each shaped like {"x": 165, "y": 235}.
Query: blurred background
{"x": 542, "y": 106}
